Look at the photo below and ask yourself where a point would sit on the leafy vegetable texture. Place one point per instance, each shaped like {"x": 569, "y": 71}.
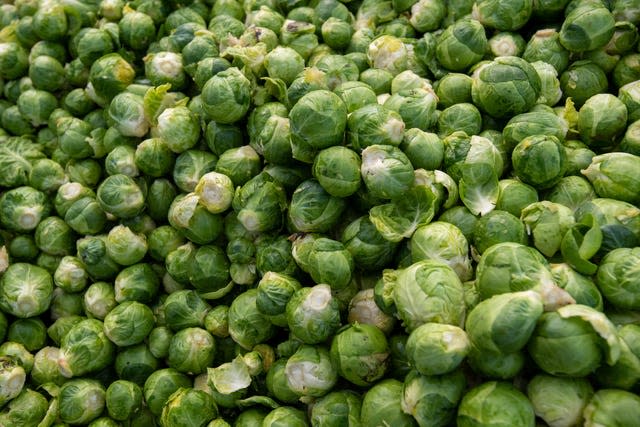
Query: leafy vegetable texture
{"x": 319, "y": 213}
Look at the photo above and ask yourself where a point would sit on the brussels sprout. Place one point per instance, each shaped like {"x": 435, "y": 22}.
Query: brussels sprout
{"x": 99, "y": 299}
{"x": 482, "y": 401}
{"x": 436, "y": 349}
{"x": 337, "y": 170}
{"x": 12, "y": 378}
{"x": 587, "y": 26}
{"x": 547, "y": 222}
{"x": 26, "y": 290}
{"x": 123, "y": 399}
{"x": 260, "y": 204}
{"x": 85, "y": 349}
{"x": 22, "y": 208}
{"x": 226, "y": 96}
{"x": 444, "y": 242}
{"x": 179, "y": 408}
{"x": 580, "y": 287}
{"x": 368, "y": 248}
{"x": 120, "y": 196}
{"x": 559, "y": 401}
{"x": 110, "y": 75}
{"x": 534, "y": 149}
{"x": 461, "y": 45}
{"x": 310, "y": 371}
{"x": 609, "y": 175}
{"x": 54, "y": 236}
{"x": 582, "y": 80}
{"x": 137, "y": 282}
{"x": 135, "y": 363}
{"x": 247, "y": 325}
{"x": 185, "y": 308}
{"x": 70, "y": 275}
{"x": 28, "y": 408}
{"x": 313, "y": 209}
{"x": 460, "y": 117}
{"x": 611, "y": 406}
{"x": 364, "y": 310}
{"x": 502, "y": 16}
{"x": 160, "y": 385}
{"x": 432, "y": 400}
{"x": 215, "y": 192}
{"x": 382, "y": 404}
{"x": 615, "y": 280}
{"x": 191, "y": 350}
{"x": 128, "y": 323}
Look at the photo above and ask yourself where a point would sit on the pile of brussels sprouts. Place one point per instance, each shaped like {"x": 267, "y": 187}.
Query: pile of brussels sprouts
{"x": 319, "y": 213}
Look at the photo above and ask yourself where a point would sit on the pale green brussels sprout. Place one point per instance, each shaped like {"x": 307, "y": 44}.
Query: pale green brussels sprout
{"x": 99, "y": 299}
{"x": 247, "y": 325}
{"x": 514, "y": 196}
{"x": 461, "y": 45}
{"x": 192, "y": 219}
{"x": 601, "y": 130}
{"x": 579, "y": 157}
{"x": 128, "y": 323}
{"x": 340, "y": 407}
{"x": 165, "y": 67}
{"x": 108, "y": 76}
{"x": 611, "y": 176}
{"x": 274, "y": 292}
{"x": 360, "y": 353}
{"x": 179, "y": 128}
{"x": 613, "y": 407}
{"x": 505, "y": 87}
{"x": 159, "y": 340}
{"x": 616, "y": 278}
{"x": 191, "y": 350}
{"x": 533, "y": 123}
{"x": 432, "y": 400}
{"x": 506, "y": 43}
{"x": 501, "y": 15}
{"x": 425, "y": 150}
{"x": 337, "y": 170}
{"x": 276, "y": 382}
{"x": 367, "y": 246}
{"x": 624, "y": 374}
{"x": 70, "y": 275}
{"x": 14, "y": 59}
{"x": 582, "y": 80}
{"x": 337, "y": 69}
{"x": 283, "y": 63}
{"x": 137, "y": 282}
{"x": 65, "y": 304}
{"x": 215, "y": 192}
{"x": 374, "y": 124}
{"x": 313, "y": 314}
{"x": 36, "y": 105}
{"x": 356, "y": 94}
{"x": 547, "y": 223}
{"x": 286, "y": 416}
{"x": 463, "y": 117}
{"x": 160, "y": 385}
{"x": 559, "y": 401}
{"x": 571, "y": 191}
{"x": 573, "y": 341}
{"x": 260, "y": 203}
{"x": 46, "y": 73}
{"x": 539, "y": 160}
{"x": 190, "y": 165}
{"x": 630, "y": 97}
{"x": 336, "y": 33}
{"x": 444, "y": 242}
{"x": 550, "y": 92}
{"x": 92, "y": 251}
{"x": 123, "y": 399}
{"x": 383, "y": 404}
{"x": 498, "y": 227}
{"x": 54, "y": 236}
{"x": 363, "y": 309}
{"x": 121, "y": 160}
{"x": 26, "y": 290}
{"x": 239, "y": 163}
{"x": 495, "y": 402}
{"x": 13, "y": 121}
{"x": 226, "y": 96}
{"x": 16, "y": 156}
{"x": 45, "y": 367}
{"x": 179, "y": 408}
{"x": 462, "y": 152}
{"x": 313, "y": 209}
{"x": 124, "y": 246}
{"x": 184, "y": 309}
{"x": 579, "y": 286}
{"x": 389, "y": 53}
{"x": 120, "y": 196}
{"x": 69, "y": 193}
{"x": 386, "y": 171}
{"x": 428, "y": 291}
{"x": 436, "y": 349}
{"x": 310, "y": 371}
{"x": 22, "y": 208}
{"x": 12, "y": 378}
{"x": 588, "y": 25}
{"x": 610, "y": 212}
{"x": 330, "y": 262}
{"x": 29, "y": 408}
{"x": 84, "y": 349}
{"x": 378, "y": 79}
{"x": 427, "y": 15}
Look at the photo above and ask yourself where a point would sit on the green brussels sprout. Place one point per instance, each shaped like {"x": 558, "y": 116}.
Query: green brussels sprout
{"x": 506, "y": 43}
{"x": 137, "y": 29}
{"x": 616, "y": 280}
{"x": 479, "y": 405}
{"x": 92, "y": 251}
{"x": 460, "y": 117}
{"x": 163, "y": 240}
{"x": 22, "y": 208}
{"x": 135, "y": 363}
{"x": 355, "y": 94}
{"x": 31, "y": 333}
{"x": 428, "y": 291}
{"x": 515, "y": 196}
{"x": 337, "y": 170}
{"x": 337, "y": 408}
{"x": 247, "y": 325}
{"x": 444, "y": 242}
{"x": 47, "y": 175}
{"x": 191, "y": 218}
{"x": 14, "y": 60}
{"x": 461, "y": 45}
{"x": 598, "y": 130}
{"x": 274, "y": 292}
{"x": 22, "y": 247}
{"x": 580, "y": 287}
{"x": 382, "y": 404}
{"x": 179, "y": 128}
{"x": 165, "y": 67}
{"x": 46, "y": 73}
{"x": 85, "y": 349}
{"x": 160, "y": 194}
{"x": 99, "y": 299}
{"x": 184, "y": 309}
{"x": 547, "y": 222}
{"x": 54, "y": 236}
{"x": 624, "y": 373}
{"x": 436, "y": 349}
{"x": 124, "y": 246}
{"x": 128, "y": 323}
{"x": 364, "y": 310}
{"x": 318, "y": 120}
{"x": 70, "y": 275}
{"x": 121, "y": 160}
{"x": 618, "y": 407}
{"x": 571, "y": 191}
{"x": 160, "y": 385}
{"x": 505, "y": 87}
{"x": 368, "y": 248}
{"x": 26, "y": 290}
{"x": 425, "y": 150}
{"x": 126, "y": 114}
{"x": 191, "y": 350}
{"x": 312, "y": 314}
{"x": 374, "y": 124}
{"x": 179, "y": 408}
{"x": 240, "y": 164}
{"x": 386, "y": 171}
{"x": 120, "y": 196}
{"x": 610, "y": 177}
{"x": 498, "y": 227}
{"x": 215, "y": 192}
{"x": 559, "y": 401}
{"x": 12, "y": 378}
{"x": 226, "y": 96}
{"x": 582, "y": 80}
{"x": 533, "y": 123}
{"x": 191, "y": 165}
{"x": 310, "y": 371}
{"x": 28, "y": 408}
{"x": 159, "y": 340}
{"x": 432, "y": 400}
{"x": 313, "y": 209}
{"x": 502, "y": 16}
{"x": 539, "y": 160}
{"x": 45, "y": 367}
{"x": 587, "y": 26}
{"x": 36, "y": 105}
{"x": 584, "y": 334}
{"x": 123, "y": 399}
{"x": 137, "y": 282}
{"x": 110, "y": 75}
{"x": 154, "y": 157}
